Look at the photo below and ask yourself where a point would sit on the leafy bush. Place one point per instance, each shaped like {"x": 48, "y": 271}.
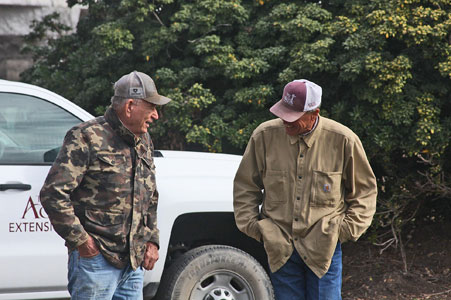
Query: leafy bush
{"x": 384, "y": 65}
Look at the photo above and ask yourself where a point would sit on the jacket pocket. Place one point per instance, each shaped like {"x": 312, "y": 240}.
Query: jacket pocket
{"x": 108, "y": 167}
{"x": 107, "y": 225}
{"x": 277, "y": 244}
{"x": 145, "y": 176}
{"x": 326, "y": 188}
{"x": 107, "y": 164}
{"x": 275, "y": 186}
{"x": 148, "y": 162}
{"x": 110, "y": 161}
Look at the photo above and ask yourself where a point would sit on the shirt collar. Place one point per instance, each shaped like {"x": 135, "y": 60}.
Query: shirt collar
{"x": 313, "y": 128}
{"x": 293, "y": 139}
{"x": 311, "y": 136}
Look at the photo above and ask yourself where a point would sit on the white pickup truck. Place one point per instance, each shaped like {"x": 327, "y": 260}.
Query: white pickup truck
{"x": 203, "y": 256}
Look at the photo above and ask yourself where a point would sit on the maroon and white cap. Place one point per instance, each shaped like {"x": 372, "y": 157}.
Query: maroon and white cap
{"x": 299, "y": 96}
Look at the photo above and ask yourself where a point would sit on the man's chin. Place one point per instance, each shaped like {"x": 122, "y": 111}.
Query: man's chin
{"x": 291, "y": 132}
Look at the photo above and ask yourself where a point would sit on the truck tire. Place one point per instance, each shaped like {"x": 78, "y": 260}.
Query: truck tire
{"x": 215, "y": 272}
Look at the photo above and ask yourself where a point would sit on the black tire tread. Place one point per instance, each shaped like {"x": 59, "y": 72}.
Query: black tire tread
{"x": 171, "y": 275}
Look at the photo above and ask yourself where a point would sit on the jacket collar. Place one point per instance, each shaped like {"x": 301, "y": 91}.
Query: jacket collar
{"x": 119, "y": 128}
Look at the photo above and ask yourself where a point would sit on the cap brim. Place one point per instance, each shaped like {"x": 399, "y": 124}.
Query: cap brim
{"x": 285, "y": 113}
{"x": 158, "y": 100}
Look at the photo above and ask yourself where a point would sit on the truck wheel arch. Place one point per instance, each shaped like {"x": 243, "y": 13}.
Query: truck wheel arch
{"x": 192, "y": 230}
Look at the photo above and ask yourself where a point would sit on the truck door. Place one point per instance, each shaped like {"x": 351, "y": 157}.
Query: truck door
{"x": 33, "y": 257}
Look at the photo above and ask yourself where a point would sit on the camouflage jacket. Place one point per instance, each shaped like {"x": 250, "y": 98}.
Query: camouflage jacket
{"x": 95, "y": 187}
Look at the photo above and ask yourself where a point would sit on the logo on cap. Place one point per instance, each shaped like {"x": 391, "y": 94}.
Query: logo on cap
{"x": 136, "y": 92}
{"x": 288, "y": 98}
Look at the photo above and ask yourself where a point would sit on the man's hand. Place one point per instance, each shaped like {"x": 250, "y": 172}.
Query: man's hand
{"x": 88, "y": 248}
{"x": 151, "y": 256}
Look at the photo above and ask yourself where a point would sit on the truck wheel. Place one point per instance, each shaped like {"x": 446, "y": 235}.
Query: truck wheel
{"x": 215, "y": 272}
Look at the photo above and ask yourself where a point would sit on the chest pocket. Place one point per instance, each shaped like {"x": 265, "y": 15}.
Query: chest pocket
{"x": 148, "y": 162}
{"x": 108, "y": 168}
{"x": 111, "y": 160}
{"x": 275, "y": 184}
{"x": 147, "y": 167}
{"x": 326, "y": 188}
{"x": 146, "y": 174}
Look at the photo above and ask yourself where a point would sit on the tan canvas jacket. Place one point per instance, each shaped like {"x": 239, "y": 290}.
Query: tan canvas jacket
{"x": 314, "y": 191}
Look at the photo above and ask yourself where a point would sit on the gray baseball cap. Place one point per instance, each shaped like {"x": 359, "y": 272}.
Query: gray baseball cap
{"x": 138, "y": 85}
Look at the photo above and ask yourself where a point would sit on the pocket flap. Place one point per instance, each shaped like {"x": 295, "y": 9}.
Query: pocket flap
{"x": 111, "y": 159}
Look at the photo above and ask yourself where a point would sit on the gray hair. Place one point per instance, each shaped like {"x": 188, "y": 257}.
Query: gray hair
{"x": 117, "y": 101}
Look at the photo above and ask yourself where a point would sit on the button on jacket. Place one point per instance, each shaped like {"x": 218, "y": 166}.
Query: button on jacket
{"x": 103, "y": 184}
{"x": 314, "y": 191}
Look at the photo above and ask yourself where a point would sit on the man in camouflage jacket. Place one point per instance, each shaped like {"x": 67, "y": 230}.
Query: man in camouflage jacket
{"x": 101, "y": 195}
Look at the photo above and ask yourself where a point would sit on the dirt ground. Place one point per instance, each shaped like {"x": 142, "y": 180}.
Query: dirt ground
{"x": 367, "y": 274}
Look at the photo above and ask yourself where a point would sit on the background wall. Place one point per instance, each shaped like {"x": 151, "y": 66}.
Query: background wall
{"x": 16, "y": 17}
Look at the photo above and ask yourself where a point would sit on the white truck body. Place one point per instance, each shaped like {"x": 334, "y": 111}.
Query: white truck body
{"x": 33, "y": 258}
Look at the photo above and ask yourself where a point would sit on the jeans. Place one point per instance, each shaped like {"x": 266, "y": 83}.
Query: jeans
{"x": 94, "y": 278}
{"x": 295, "y": 281}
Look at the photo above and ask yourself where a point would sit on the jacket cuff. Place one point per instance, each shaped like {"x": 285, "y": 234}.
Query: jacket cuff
{"x": 75, "y": 243}
{"x": 255, "y": 233}
{"x": 345, "y": 234}
{"x": 155, "y": 241}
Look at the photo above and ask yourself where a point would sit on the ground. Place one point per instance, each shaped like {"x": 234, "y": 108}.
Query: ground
{"x": 369, "y": 274}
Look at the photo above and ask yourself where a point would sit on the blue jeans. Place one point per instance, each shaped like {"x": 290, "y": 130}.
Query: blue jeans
{"x": 94, "y": 278}
{"x": 295, "y": 281}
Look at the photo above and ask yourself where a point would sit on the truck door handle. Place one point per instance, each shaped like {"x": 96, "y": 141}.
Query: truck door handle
{"x": 15, "y": 186}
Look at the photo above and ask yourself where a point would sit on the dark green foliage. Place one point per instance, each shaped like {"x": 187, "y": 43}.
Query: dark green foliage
{"x": 384, "y": 65}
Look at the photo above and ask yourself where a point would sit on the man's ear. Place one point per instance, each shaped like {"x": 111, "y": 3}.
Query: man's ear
{"x": 315, "y": 114}
{"x": 128, "y": 107}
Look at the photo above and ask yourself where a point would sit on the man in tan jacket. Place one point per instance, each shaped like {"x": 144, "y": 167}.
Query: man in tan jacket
{"x": 304, "y": 186}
